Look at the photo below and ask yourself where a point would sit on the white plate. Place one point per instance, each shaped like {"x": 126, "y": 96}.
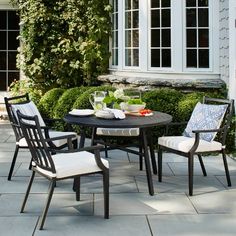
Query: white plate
{"x": 81, "y": 112}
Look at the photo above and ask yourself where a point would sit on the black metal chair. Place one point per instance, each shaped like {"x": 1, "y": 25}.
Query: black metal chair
{"x": 196, "y": 145}
{"x": 60, "y": 139}
{"x": 62, "y": 165}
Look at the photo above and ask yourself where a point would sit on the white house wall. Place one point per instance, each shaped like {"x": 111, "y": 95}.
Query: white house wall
{"x": 224, "y": 40}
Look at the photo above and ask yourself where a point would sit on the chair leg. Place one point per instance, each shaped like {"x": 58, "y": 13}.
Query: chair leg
{"x": 140, "y": 157}
{"x": 159, "y": 164}
{"x": 106, "y": 151}
{"x": 13, "y": 162}
{"x": 202, "y": 165}
{"x": 106, "y": 193}
{"x": 45, "y": 211}
{"x": 190, "y": 174}
{"x": 152, "y": 154}
{"x": 75, "y": 143}
{"x": 226, "y": 168}
{"x": 27, "y": 192}
{"x": 77, "y": 187}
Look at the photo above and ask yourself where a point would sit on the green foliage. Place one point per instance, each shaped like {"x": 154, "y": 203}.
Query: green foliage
{"x": 63, "y": 43}
{"x": 164, "y": 100}
{"x": 48, "y": 102}
{"x": 20, "y": 87}
{"x": 66, "y": 101}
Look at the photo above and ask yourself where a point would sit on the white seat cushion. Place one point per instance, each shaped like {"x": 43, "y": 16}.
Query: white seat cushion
{"x": 118, "y": 132}
{"x": 52, "y": 134}
{"x": 184, "y": 144}
{"x": 70, "y": 164}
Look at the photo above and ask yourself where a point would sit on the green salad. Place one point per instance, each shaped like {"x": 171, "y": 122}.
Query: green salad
{"x": 135, "y": 101}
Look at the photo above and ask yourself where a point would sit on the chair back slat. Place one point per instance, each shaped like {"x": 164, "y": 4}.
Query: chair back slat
{"x": 36, "y": 142}
{"x": 227, "y": 117}
{"x": 22, "y": 99}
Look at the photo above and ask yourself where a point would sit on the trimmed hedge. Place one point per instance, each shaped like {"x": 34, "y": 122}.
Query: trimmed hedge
{"x": 48, "y": 102}
{"x": 66, "y": 101}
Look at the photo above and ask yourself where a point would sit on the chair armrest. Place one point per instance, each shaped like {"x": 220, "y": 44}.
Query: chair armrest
{"x": 88, "y": 149}
{"x": 207, "y": 130}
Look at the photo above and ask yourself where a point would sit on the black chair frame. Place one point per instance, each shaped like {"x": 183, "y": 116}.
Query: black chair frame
{"x": 41, "y": 156}
{"x": 221, "y": 134}
{"x": 23, "y": 99}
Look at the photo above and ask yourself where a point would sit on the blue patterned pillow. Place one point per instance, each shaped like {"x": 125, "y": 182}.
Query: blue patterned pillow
{"x": 204, "y": 117}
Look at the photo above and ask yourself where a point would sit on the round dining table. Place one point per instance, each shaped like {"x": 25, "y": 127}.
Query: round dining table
{"x": 144, "y": 123}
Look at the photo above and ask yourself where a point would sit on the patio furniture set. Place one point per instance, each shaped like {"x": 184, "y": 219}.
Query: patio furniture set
{"x": 209, "y": 120}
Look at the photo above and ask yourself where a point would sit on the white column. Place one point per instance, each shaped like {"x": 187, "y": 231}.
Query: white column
{"x": 232, "y": 49}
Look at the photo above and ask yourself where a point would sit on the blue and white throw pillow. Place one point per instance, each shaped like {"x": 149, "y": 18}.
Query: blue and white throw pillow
{"x": 204, "y": 117}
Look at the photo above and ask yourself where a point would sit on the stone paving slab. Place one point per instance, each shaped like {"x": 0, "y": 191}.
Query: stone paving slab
{"x": 192, "y": 225}
{"x": 95, "y": 226}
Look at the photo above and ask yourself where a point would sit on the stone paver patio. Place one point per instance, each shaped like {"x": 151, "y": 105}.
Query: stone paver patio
{"x": 211, "y": 211}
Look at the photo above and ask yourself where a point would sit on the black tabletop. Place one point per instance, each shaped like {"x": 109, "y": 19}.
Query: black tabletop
{"x": 158, "y": 118}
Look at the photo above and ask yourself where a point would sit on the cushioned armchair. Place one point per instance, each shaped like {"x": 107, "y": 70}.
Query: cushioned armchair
{"x": 56, "y": 139}
{"x": 63, "y": 164}
{"x": 210, "y": 119}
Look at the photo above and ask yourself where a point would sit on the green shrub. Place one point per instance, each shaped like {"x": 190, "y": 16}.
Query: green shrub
{"x": 48, "y": 102}
{"x": 82, "y": 101}
{"x": 66, "y": 101}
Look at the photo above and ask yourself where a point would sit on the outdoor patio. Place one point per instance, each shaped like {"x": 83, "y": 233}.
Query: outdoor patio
{"x": 211, "y": 211}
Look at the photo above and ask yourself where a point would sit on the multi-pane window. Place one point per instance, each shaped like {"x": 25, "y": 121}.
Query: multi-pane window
{"x": 160, "y": 33}
{"x": 131, "y": 32}
{"x": 115, "y": 33}
{"x": 197, "y": 34}
{"x": 9, "y": 30}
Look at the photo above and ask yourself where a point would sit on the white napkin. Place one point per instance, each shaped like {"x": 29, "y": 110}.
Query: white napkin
{"x": 117, "y": 113}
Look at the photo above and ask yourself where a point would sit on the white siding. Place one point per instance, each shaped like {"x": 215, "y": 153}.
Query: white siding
{"x": 224, "y": 40}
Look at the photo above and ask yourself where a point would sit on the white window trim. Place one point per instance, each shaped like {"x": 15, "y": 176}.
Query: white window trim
{"x": 178, "y": 40}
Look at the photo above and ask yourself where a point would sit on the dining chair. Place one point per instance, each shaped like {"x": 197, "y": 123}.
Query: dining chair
{"x": 63, "y": 164}
{"x": 205, "y": 133}
{"x": 60, "y": 139}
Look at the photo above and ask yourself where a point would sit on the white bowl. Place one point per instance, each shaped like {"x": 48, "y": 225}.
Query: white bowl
{"x": 135, "y": 107}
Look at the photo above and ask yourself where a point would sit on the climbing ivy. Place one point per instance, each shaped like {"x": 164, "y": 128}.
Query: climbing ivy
{"x": 63, "y": 43}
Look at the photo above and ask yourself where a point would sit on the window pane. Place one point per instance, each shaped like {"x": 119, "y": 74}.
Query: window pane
{"x": 135, "y": 19}
{"x": 128, "y": 20}
{"x": 135, "y": 57}
{"x": 135, "y": 4}
{"x": 166, "y": 58}
{"x": 191, "y": 58}
{"x": 166, "y": 38}
{"x": 155, "y": 58}
{"x": 191, "y": 3}
{"x": 115, "y": 5}
{"x": 155, "y": 18}
{"x": 12, "y": 76}
{"x": 3, "y": 81}
{"x": 191, "y": 18}
{"x": 128, "y": 57}
{"x": 3, "y": 60}
{"x": 12, "y": 60}
{"x": 128, "y": 38}
{"x": 165, "y": 3}
{"x": 203, "y": 38}
{"x": 202, "y": 3}
{"x": 203, "y": 18}
{"x": 191, "y": 38}
{"x": 203, "y": 58}
{"x": 128, "y": 4}
{"x": 3, "y": 40}
{"x": 13, "y": 43}
{"x": 165, "y": 17}
{"x": 155, "y": 40}
{"x": 135, "y": 38}
{"x": 3, "y": 20}
{"x": 155, "y": 3}
{"x": 13, "y": 20}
